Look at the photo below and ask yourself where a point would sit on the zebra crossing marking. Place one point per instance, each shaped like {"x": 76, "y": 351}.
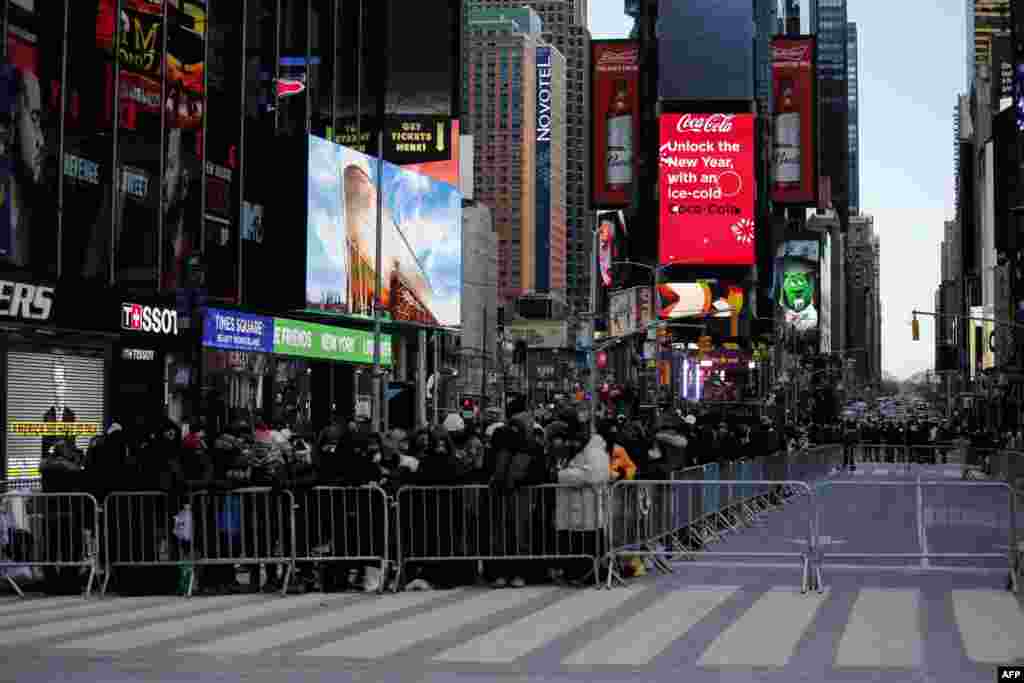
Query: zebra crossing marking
{"x": 661, "y": 624}
{"x": 508, "y": 643}
{"x": 396, "y": 636}
{"x": 767, "y": 634}
{"x": 991, "y": 625}
{"x": 882, "y": 631}
{"x": 75, "y": 609}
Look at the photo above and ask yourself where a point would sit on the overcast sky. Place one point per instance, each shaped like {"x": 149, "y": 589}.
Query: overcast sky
{"x": 907, "y": 93}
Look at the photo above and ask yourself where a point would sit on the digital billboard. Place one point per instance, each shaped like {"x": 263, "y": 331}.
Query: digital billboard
{"x": 794, "y": 167}
{"x": 700, "y": 299}
{"x": 798, "y": 290}
{"x": 608, "y": 233}
{"x": 706, "y": 181}
{"x": 422, "y": 239}
{"x": 615, "y": 107}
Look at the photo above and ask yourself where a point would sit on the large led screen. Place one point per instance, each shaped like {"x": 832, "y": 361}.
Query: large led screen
{"x": 798, "y": 291}
{"x": 793, "y": 155}
{"x": 700, "y": 299}
{"x": 615, "y": 92}
{"x": 422, "y": 239}
{"x": 706, "y": 180}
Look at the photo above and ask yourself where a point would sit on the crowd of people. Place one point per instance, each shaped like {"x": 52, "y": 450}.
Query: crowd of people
{"x": 529, "y": 449}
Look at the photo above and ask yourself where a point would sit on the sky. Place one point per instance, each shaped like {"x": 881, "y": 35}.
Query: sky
{"x": 907, "y": 93}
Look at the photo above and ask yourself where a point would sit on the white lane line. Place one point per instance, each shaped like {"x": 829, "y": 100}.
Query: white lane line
{"x": 881, "y": 473}
{"x": 922, "y": 537}
{"x": 883, "y": 631}
{"x": 767, "y": 634}
{"x": 34, "y": 604}
{"x": 345, "y": 611}
{"x": 80, "y": 608}
{"x": 991, "y": 625}
{"x": 179, "y": 628}
{"x": 952, "y": 474}
{"x": 65, "y": 627}
{"x": 644, "y": 636}
{"x": 394, "y": 637}
{"x": 518, "y": 639}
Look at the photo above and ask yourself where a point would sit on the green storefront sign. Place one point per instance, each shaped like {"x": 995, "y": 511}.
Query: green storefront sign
{"x": 310, "y": 340}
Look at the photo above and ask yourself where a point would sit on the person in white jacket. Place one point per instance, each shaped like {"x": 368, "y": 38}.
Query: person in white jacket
{"x": 581, "y": 505}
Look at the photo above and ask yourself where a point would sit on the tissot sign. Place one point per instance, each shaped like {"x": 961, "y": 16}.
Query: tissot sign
{"x": 150, "y": 319}
{"x": 25, "y": 301}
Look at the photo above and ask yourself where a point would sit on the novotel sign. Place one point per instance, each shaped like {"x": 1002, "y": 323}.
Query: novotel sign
{"x": 151, "y": 319}
{"x": 543, "y": 94}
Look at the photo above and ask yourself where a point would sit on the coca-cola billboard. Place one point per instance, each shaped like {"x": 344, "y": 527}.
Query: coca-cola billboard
{"x": 793, "y": 157}
{"x": 615, "y": 104}
{"x": 707, "y": 189}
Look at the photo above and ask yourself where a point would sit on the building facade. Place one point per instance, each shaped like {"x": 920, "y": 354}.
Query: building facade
{"x": 853, "y": 124}
{"x": 829, "y": 24}
{"x": 479, "y": 300}
{"x": 564, "y": 27}
{"x": 985, "y": 19}
{"x": 863, "y": 300}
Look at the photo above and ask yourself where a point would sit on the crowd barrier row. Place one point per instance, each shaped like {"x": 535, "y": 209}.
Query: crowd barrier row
{"x": 311, "y": 528}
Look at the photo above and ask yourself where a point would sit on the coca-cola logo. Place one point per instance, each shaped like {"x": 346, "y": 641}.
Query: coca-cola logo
{"x": 622, "y": 57}
{"x": 710, "y": 123}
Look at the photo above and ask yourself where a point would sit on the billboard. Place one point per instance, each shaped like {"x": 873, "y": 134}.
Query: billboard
{"x": 707, "y": 188}
{"x": 421, "y": 240}
{"x": 620, "y": 313}
{"x": 700, "y": 299}
{"x": 798, "y": 290}
{"x": 539, "y": 334}
{"x": 542, "y": 192}
{"x": 706, "y": 50}
{"x": 794, "y": 167}
{"x": 615, "y": 93}
{"x": 608, "y": 233}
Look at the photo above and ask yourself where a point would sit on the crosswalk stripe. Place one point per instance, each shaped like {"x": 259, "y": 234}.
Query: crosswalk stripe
{"x": 952, "y": 474}
{"x": 79, "y": 608}
{"x": 881, "y": 472}
{"x": 34, "y": 604}
{"x": 63, "y": 627}
{"x": 353, "y": 609}
{"x": 509, "y": 643}
{"x": 179, "y": 628}
{"x": 882, "y": 631}
{"x": 991, "y": 625}
{"x": 767, "y": 634}
{"x": 644, "y": 636}
{"x": 403, "y": 634}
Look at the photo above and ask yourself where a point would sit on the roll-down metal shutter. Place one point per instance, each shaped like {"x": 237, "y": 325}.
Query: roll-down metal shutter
{"x": 32, "y": 387}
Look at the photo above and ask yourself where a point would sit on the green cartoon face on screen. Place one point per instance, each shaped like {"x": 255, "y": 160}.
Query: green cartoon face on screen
{"x": 797, "y": 290}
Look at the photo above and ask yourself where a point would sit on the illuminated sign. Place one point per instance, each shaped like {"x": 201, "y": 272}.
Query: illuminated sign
{"x": 150, "y": 319}
{"x": 138, "y": 354}
{"x": 23, "y": 301}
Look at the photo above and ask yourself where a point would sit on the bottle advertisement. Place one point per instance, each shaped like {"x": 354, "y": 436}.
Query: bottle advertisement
{"x": 793, "y": 167}
{"x": 616, "y": 107}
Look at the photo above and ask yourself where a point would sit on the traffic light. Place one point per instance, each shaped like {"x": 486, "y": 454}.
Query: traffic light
{"x": 915, "y": 329}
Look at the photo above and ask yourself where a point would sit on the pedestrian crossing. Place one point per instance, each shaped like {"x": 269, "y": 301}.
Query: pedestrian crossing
{"x": 715, "y": 627}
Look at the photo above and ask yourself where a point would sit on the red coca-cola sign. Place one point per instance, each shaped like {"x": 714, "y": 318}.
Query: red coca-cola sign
{"x": 707, "y": 189}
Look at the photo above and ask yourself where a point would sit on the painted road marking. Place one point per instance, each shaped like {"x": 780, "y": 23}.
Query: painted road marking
{"x": 991, "y": 625}
{"x": 64, "y": 627}
{"x": 661, "y": 624}
{"x": 881, "y": 472}
{"x": 509, "y": 643}
{"x": 768, "y": 633}
{"x": 37, "y": 604}
{"x": 79, "y": 607}
{"x": 179, "y": 628}
{"x": 400, "y": 635}
{"x": 922, "y": 536}
{"x": 882, "y": 631}
{"x": 347, "y": 610}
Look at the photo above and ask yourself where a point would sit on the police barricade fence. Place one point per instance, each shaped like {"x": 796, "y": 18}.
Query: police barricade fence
{"x": 636, "y": 530}
{"x": 55, "y": 532}
{"x": 1008, "y": 466}
{"x": 479, "y": 523}
{"x": 25, "y": 484}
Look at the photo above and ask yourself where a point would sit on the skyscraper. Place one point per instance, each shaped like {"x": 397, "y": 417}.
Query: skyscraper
{"x": 565, "y": 27}
{"x": 853, "y": 123}
{"x": 985, "y": 19}
{"x": 828, "y": 23}
{"x": 514, "y": 91}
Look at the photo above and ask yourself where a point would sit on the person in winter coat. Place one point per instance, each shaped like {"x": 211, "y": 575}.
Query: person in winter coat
{"x": 581, "y": 504}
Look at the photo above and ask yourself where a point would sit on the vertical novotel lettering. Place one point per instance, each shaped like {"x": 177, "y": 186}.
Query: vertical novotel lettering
{"x": 543, "y": 94}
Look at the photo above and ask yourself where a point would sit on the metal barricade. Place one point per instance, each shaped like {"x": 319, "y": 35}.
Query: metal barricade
{"x": 481, "y": 523}
{"x": 245, "y": 526}
{"x": 1008, "y": 466}
{"x": 922, "y": 524}
{"x": 147, "y": 529}
{"x": 15, "y": 485}
{"x": 634, "y": 533}
{"x": 694, "y": 531}
{"x": 58, "y": 532}
{"x": 343, "y": 524}
{"x": 932, "y": 454}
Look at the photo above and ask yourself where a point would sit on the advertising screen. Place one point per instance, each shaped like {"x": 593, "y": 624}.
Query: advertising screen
{"x": 798, "y": 290}
{"x": 706, "y": 180}
{"x": 422, "y": 239}
{"x": 607, "y": 231}
{"x": 700, "y": 299}
{"x": 794, "y": 167}
{"x": 615, "y": 106}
